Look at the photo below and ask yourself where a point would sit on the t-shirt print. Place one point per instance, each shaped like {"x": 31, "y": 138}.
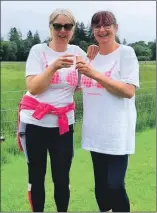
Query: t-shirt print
{"x": 71, "y": 78}
{"x": 88, "y": 82}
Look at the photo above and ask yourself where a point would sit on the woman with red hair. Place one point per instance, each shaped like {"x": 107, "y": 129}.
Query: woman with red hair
{"x": 109, "y": 114}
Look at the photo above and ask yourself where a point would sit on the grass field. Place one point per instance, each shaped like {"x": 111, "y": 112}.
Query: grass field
{"x": 13, "y": 87}
{"x": 13, "y": 76}
{"x": 141, "y": 175}
{"x": 140, "y": 180}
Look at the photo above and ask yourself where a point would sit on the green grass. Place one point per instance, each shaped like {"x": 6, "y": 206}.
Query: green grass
{"x": 13, "y": 76}
{"x": 147, "y": 78}
{"x": 140, "y": 179}
{"x": 141, "y": 173}
{"x": 13, "y": 87}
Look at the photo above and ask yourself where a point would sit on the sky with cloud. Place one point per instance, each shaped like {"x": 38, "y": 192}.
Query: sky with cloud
{"x": 136, "y": 19}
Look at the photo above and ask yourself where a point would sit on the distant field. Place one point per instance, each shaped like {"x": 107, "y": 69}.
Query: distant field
{"x": 13, "y": 80}
{"x": 13, "y": 76}
{"x": 13, "y": 87}
{"x": 147, "y": 78}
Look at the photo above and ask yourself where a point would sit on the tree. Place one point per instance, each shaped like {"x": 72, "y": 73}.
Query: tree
{"x": 83, "y": 32}
{"x": 152, "y": 46}
{"x": 47, "y": 40}
{"x": 75, "y": 40}
{"x": 83, "y": 45}
{"x": 12, "y": 51}
{"x": 4, "y": 50}
{"x": 36, "y": 38}
{"x": 30, "y": 38}
{"x": 90, "y": 37}
{"x": 142, "y": 43}
{"x": 154, "y": 50}
{"x": 21, "y": 51}
{"x": 18, "y": 49}
{"x": 124, "y": 41}
{"x": 142, "y": 50}
{"x": 14, "y": 35}
{"x": 27, "y": 47}
{"x": 117, "y": 39}
{"x": 150, "y": 43}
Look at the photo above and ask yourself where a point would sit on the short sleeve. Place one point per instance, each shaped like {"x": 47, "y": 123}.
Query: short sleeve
{"x": 129, "y": 67}
{"x": 33, "y": 63}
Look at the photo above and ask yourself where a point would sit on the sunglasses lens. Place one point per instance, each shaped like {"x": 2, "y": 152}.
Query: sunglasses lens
{"x": 57, "y": 27}
{"x": 68, "y": 26}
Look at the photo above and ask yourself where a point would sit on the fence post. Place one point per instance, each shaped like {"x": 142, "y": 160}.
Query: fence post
{"x": 2, "y": 139}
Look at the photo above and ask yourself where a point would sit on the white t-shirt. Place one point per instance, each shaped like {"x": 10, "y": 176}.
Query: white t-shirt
{"x": 61, "y": 89}
{"x": 109, "y": 121}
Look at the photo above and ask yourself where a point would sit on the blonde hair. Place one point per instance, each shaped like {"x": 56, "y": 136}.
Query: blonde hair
{"x": 65, "y": 12}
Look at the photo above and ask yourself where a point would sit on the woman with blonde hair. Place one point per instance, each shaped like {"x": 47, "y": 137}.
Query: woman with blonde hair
{"x": 46, "y": 112}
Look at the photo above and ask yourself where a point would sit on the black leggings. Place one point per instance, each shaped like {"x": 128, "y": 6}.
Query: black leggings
{"x": 109, "y": 173}
{"x": 39, "y": 140}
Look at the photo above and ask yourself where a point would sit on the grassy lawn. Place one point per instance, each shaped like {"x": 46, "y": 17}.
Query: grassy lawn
{"x": 140, "y": 180}
{"x": 13, "y": 87}
{"x": 141, "y": 176}
{"x": 13, "y": 76}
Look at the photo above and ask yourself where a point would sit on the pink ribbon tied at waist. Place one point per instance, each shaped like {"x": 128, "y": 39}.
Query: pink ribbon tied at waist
{"x": 42, "y": 109}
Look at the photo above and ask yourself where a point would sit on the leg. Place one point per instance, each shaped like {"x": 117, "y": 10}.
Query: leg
{"x": 101, "y": 175}
{"x": 117, "y": 170}
{"x": 37, "y": 156}
{"x": 61, "y": 153}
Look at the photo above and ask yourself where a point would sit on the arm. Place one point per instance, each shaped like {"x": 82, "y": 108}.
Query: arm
{"x": 115, "y": 87}
{"x": 37, "y": 81}
{"x": 92, "y": 51}
{"x": 129, "y": 69}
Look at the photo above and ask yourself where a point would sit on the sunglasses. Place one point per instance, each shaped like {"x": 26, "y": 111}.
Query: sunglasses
{"x": 58, "y": 27}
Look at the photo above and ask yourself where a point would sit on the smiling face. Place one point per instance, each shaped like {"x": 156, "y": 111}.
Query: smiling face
{"x": 104, "y": 27}
{"x": 62, "y": 29}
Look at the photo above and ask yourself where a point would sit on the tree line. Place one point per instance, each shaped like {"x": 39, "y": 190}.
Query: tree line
{"x": 17, "y": 49}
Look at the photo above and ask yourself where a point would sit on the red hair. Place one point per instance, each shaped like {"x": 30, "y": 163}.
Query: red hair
{"x": 104, "y": 18}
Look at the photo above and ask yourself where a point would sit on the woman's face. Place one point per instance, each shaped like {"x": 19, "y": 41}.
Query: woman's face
{"x": 59, "y": 33}
{"x": 105, "y": 34}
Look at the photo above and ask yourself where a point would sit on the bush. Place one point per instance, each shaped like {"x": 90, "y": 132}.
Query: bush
{"x": 143, "y": 58}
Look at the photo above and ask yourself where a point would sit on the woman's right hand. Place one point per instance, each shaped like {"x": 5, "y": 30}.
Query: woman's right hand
{"x": 92, "y": 51}
{"x": 65, "y": 61}
{"x": 39, "y": 83}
